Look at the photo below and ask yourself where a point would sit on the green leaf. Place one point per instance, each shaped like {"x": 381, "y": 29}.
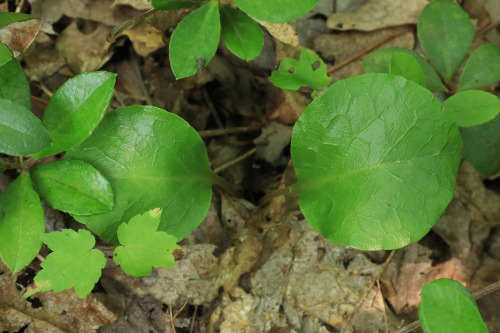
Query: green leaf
{"x": 195, "y": 40}
{"x": 447, "y": 306}
{"x": 21, "y": 223}
{"x": 21, "y": 133}
{"x": 143, "y": 246}
{"x": 152, "y": 159}
{"x": 376, "y": 161}
{"x": 445, "y": 32}
{"x": 241, "y": 34}
{"x": 482, "y": 146}
{"x": 482, "y": 68}
{"x": 14, "y": 85}
{"x": 73, "y": 186}
{"x": 75, "y": 110}
{"x": 473, "y": 107}
{"x": 174, "y": 4}
{"x": 406, "y": 66}
{"x": 19, "y": 31}
{"x": 8, "y": 18}
{"x": 380, "y": 61}
{"x": 308, "y": 71}
{"x": 277, "y": 11}
{"x": 5, "y": 55}
{"x": 72, "y": 264}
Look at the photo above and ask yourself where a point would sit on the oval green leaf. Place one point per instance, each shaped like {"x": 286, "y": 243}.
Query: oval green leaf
{"x": 448, "y": 307}
{"x": 5, "y": 54}
{"x": 9, "y": 17}
{"x": 482, "y": 146}
{"x": 482, "y": 68}
{"x": 21, "y": 223}
{"x": 406, "y": 66}
{"x": 380, "y": 61}
{"x": 152, "y": 158}
{"x": 14, "y": 85}
{"x": 195, "y": 40}
{"x": 73, "y": 186}
{"x": 241, "y": 34}
{"x": 473, "y": 107}
{"x": 21, "y": 132}
{"x": 75, "y": 110}
{"x": 445, "y": 32}
{"x": 376, "y": 161}
{"x": 174, "y": 4}
{"x": 277, "y": 11}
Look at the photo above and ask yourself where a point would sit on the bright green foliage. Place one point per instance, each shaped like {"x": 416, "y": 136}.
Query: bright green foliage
{"x": 8, "y": 18}
{"x": 445, "y": 33}
{"x": 376, "y": 161}
{"x": 21, "y": 223}
{"x": 73, "y": 186}
{"x": 195, "y": 40}
{"x": 482, "y": 146}
{"x": 152, "y": 158}
{"x": 447, "y": 306}
{"x": 241, "y": 34}
{"x": 406, "y": 66}
{"x": 472, "y": 107}
{"x": 75, "y": 110}
{"x": 5, "y": 55}
{"x": 277, "y": 11}
{"x": 308, "y": 71}
{"x": 174, "y": 4}
{"x": 143, "y": 246}
{"x": 72, "y": 264}
{"x": 380, "y": 61}
{"x": 22, "y": 133}
{"x": 14, "y": 85}
{"x": 482, "y": 68}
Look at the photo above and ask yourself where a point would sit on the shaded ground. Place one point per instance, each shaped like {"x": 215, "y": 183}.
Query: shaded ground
{"x": 251, "y": 268}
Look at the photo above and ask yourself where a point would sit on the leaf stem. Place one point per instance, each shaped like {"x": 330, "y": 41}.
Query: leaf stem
{"x": 276, "y": 193}
{"x": 224, "y": 184}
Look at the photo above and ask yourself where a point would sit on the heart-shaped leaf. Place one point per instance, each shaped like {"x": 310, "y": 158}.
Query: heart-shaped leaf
{"x": 376, "y": 161}
{"x": 277, "y": 11}
{"x": 153, "y": 159}
{"x": 472, "y": 107}
{"x": 75, "y": 110}
{"x": 482, "y": 68}
{"x": 73, "y": 186}
{"x": 14, "y": 85}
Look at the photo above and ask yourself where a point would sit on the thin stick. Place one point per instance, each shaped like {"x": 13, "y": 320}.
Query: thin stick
{"x": 368, "y": 49}
{"x": 276, "y": 193}
{"x": 488, "y": 28}
{"x": 193, "y": 319}
{"x": 111, "y": 37}
{"x": 40, "y": 257}
{"x": 229, "y": 130}
{"x": 385, "y": 314}
{"x": 384, "y": 266}
{"x": 236, "y": 160}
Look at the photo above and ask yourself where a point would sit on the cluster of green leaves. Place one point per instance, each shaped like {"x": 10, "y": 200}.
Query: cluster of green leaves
{"x": 195, "y": 40}
{"x": 445, "y": 32}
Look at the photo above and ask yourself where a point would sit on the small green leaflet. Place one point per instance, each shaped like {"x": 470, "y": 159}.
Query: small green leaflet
{"x": 72, "y": 264}
{"x": 143, "y": 247}
{"x": 406, "y": 66}
{"x": 482, "y": 68}
{"x": 472, "y": 107}
{"x": 308, "y": 71}
{"x": 174, "y": 4}
{"x": 448, "y": 307}
{"x": 277, "y": 11}
{"x": 5, "y": 54}
{"x": 14, "y": 85}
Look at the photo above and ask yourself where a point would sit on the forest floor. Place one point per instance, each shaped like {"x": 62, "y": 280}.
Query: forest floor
{"x": 250, "y": 267}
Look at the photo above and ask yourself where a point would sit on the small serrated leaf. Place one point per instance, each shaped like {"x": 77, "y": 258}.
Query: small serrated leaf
{"x": 73, "y": 264}
{"x": 143, "y": 247}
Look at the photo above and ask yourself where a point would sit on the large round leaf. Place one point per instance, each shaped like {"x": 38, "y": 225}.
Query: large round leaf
{"x": 277, "y": 11}
{"x": 376, "y": 161}
{"x": 152, "y": 159}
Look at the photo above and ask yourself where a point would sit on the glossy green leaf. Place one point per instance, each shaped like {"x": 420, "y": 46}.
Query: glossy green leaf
{"x": 241, "y": 34}
{"x": 21, "y": 133}
{"x": 445, "y": 32}
{"x": 482, "y": 146}
{"x": 21, "y": 223}
{"x": 376, "y": 161}
{"x": 143, "y": 246}
{"x": 308, "y": 71}
{"x": 380, "y": 61}
{"x": 8, "y": 18}
{"x": 5, "y": 54}
{"x": 277, "y": 11}
{"x": 72, "y": 264}
{"x": 473, "y": 107}
{"x": 195, "y": 40}
{"x": 482, "y": 68}
{"x": 448, "y": 307}
{"x": 152, "y": 159}
{"x": 14, "y": 85}
{"x": 73, "y": 186}
{"x": 174, "y": 4}
{"x": 406, "y": 66}
{"x": 75, "y": 110}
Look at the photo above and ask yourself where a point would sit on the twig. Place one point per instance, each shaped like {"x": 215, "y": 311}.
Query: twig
{"x": 40, "y": 257}
{"x": 20, "y": 6}
{"x": 45, "y": 89}
{"x": 111, "y": 37}
{"x": 488, "y": 28}
{"x": 229, "y": 130}
{"x": 172, "y": 317}
{"x": 369, "y": 49}
{"x": 236, "y": 160}
{"x": 377, "y": 277}
{"x": 134, "y": 59}
{"x": 211, "y": 107}
{"x": 191, "y": 330}
{"x": 385, "y": 314}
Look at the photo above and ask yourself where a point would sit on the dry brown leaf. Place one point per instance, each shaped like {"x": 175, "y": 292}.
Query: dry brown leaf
{"x": 284, "y": 32}
{"x": 137, "y": 4}
{"x": 145, "y": 38}
{"x": 19, "y": 35}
